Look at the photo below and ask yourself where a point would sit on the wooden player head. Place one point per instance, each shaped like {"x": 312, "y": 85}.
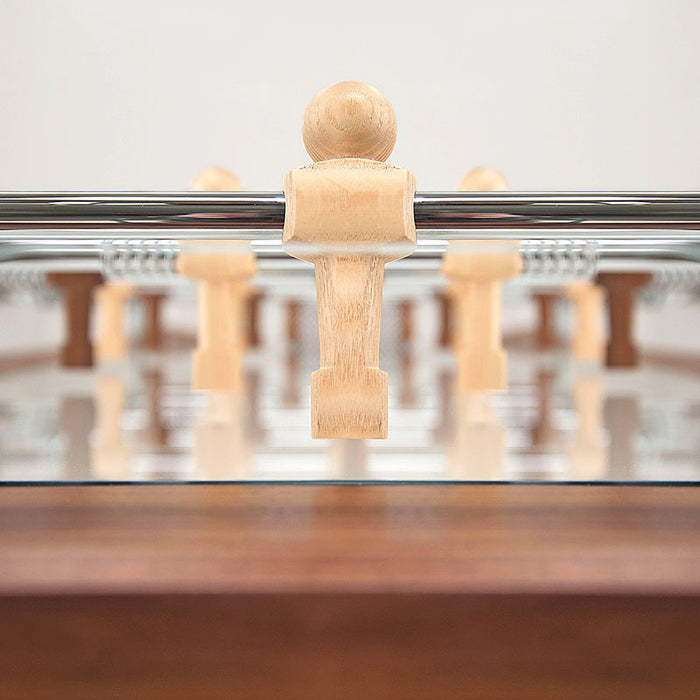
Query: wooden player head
{"x": 222, "y": 269}
{"x": 216, "y": 180}
{"x": 349, "y": 120}
{"x": 483, "y": 179}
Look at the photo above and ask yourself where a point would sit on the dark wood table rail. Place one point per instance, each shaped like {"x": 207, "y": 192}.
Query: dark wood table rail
{"x": 404, "y": 591}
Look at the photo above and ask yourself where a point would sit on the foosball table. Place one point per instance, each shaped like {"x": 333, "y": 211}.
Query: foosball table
{"x": 281, "y": 425}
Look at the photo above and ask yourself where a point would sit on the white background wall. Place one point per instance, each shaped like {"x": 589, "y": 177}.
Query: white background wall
{"x": 592, "y": 94}
{"x": 142, "y": 94}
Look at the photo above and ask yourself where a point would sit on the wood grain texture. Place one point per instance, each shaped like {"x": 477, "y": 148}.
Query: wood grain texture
{"x": 349, "y": 120}
{"x": 398, "y": 538}
{"x": 304, "y": 647}
{"x": 349, "y": 215}
{"x": 267, "y": 591}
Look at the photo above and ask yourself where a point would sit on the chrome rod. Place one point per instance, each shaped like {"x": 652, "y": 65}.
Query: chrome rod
{"x": 453, "y": 215}
{"x": 56, "y": 250}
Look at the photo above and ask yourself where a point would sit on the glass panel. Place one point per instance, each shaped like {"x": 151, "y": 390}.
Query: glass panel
{"x": 558, "y": 422}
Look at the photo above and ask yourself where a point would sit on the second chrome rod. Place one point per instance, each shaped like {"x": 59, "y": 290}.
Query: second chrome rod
{"x": 445, "y": 216}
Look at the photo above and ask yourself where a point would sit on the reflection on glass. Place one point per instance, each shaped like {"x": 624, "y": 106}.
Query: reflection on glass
{"x": 544, "y": 434}
{"x": 478, "y": 449}
{"x": 588, "y": 457}
{"x": 622, "y": 419}
{"x": 347, "y": 460}
{"x": 547, "y": 426}
{"x": 221, "y": 448}
{"x": 290, "y": 391}
{"x": 111, "y": 453}
{"x": 155, "y": 432}
{"x": 76, "y": 421}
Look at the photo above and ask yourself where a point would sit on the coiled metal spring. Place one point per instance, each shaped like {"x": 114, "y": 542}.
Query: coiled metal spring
{"x": 19, "y": 279}
{"x": 566, "y": 259}
{"x": 149, "y": 258}
{"x": 681, "y": 280}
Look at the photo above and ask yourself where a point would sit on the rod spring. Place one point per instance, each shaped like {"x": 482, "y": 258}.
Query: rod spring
{"x": 150, "y": 258}
{"x": 683, "y": 280}
{"x": 566, "y": 259}
{"x": 20, "y": 279}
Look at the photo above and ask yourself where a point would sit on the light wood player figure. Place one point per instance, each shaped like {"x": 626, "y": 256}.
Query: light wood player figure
{"x": 222, "y": 270}
{"x": 476, "y": 271}
{"x": 349, "y": 214}
{"x": 587, "y": 341}
{"x": 111, "y": 299}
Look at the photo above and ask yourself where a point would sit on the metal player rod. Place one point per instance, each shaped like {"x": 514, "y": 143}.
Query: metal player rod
{"x": 441, "y": 216}
{"x": 90, "y": 253}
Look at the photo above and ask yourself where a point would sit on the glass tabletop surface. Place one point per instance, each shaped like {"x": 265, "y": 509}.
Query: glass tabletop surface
{"x": 558, "y": 422}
